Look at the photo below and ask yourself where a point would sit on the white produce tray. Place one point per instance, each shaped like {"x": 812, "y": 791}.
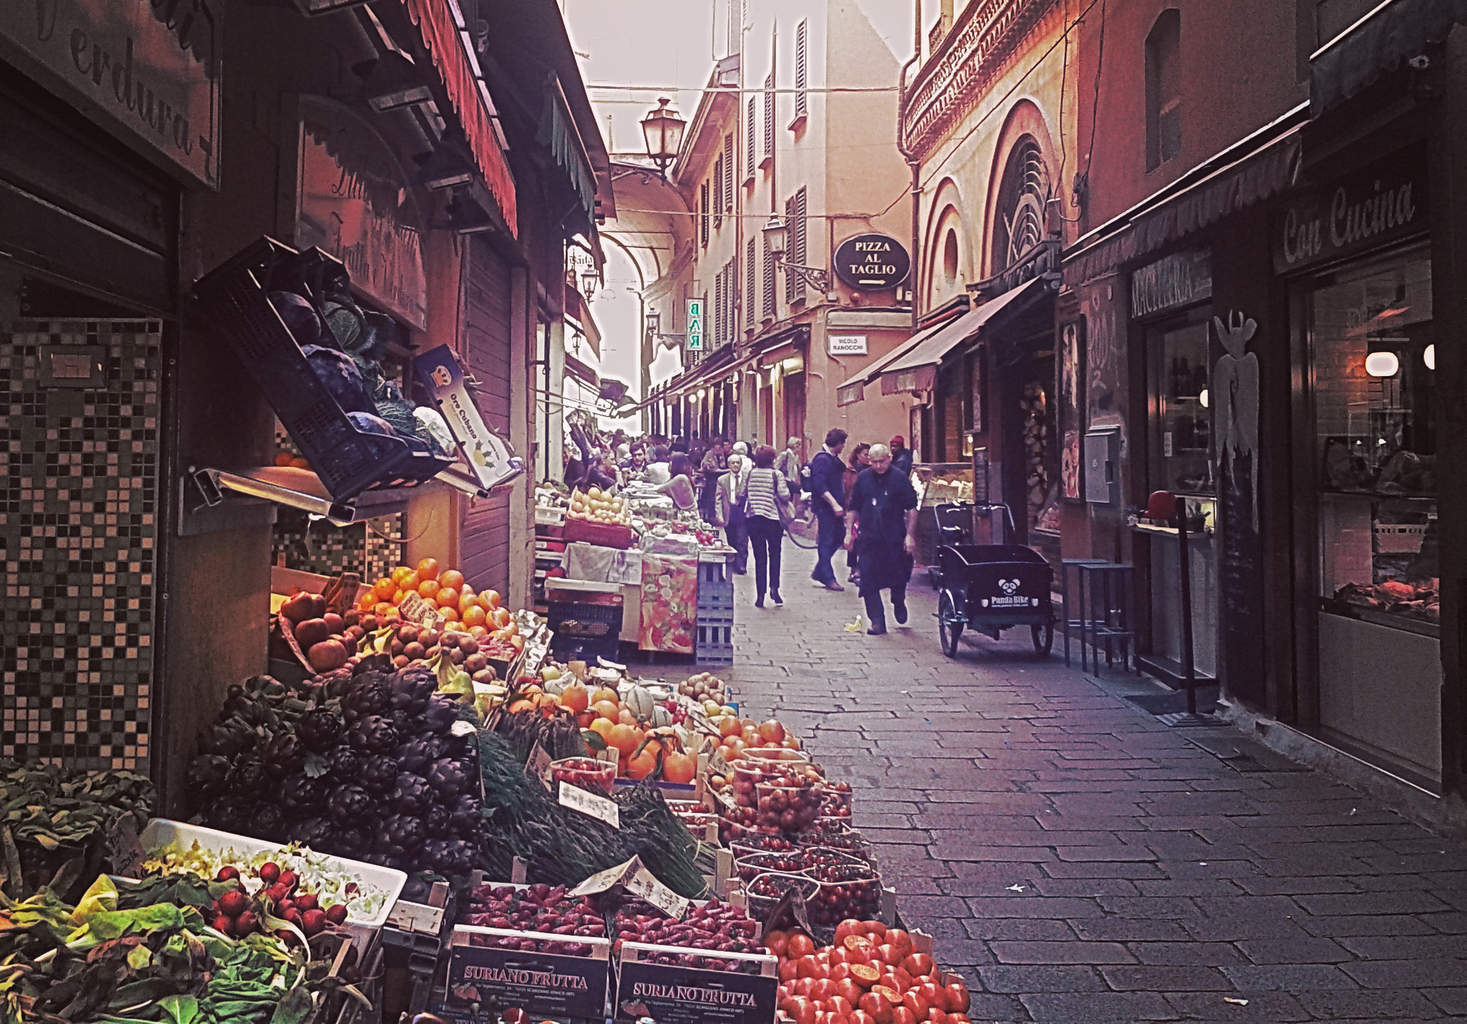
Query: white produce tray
{"x": 164, "y": 832}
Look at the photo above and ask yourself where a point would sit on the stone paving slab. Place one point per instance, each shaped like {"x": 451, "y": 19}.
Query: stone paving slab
{"x": 1162, "y": 874}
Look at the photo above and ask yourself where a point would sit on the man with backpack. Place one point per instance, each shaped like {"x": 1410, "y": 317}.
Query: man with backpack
{"x": 824, "y": 479}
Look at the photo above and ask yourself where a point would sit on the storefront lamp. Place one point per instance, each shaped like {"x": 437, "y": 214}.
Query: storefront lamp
{"x": 588, "y": 283}
{"x": 1428, "y": 356}
{"x": 1382, "y": 364}
{"x": 777, "y": 238}
{"x": 776, "y": 235}
{"x": 1203, "y": 398}
{"x": 654, "y": 321}
{"x": 394, "y": 81}
{"x": 662, "y": 132}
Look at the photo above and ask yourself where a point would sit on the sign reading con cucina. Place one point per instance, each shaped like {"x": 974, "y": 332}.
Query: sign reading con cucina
{"x": 1361, "y": 211}
{"x": 872, "y": 262}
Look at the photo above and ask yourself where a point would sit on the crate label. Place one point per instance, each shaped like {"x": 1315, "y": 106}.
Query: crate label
{"x": 644, "y": 884}
{"x": 416, "y": 917}
{"x": 684, "y": 995}
{"x": 578, "y": 799}
{"x": 544, "y": 985}
{"x": 124, "y": 852}
{"x": 537, "y": 765}
{"x": 717, "y": 763}
{"x": 602, "y": 881}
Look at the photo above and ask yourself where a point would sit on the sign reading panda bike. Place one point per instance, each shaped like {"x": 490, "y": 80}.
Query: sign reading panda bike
{"x": 872, "y": 262}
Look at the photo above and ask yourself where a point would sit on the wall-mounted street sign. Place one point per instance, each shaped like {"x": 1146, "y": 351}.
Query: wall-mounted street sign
{"x": 872, "y": 262}
{"x": 847, "y": 344}
{"x": 695, "y": 325}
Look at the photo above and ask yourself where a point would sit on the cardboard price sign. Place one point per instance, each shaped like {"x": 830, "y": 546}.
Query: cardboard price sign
{"x": 537, "y": 765}
{"x": 644, "y": 884}
{"x": 686, "y": 995}
{"x": 415, "y": 609}
{"x": 545, "y": 985}
{"x": 578, "y": 799}
{"x": 604, "y": 881}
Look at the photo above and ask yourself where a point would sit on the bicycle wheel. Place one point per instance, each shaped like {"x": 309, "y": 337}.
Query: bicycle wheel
{"x": 949, "y": 623}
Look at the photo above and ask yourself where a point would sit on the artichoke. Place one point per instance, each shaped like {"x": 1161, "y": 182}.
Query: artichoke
{"x": 334, "y": 684}
{"x": 227, "y": 738}
{"x": 464, "y": 816}
{"x": 344, "y": 764}
{"x": 438, "y": 822}
{"x": 269, "y": 823}
{"x": 379, "y": 773}
{"x": 349, "y": 842}
{"x": 402, "y": 834}
{"x": 350, "y": 805}
{"x": 440, "y": 714}
{"x": 369, "y": 695}
{"x": 208, "y": 775}
{"x": 412, "y": 795}
{"x": 313, "y": 832}
{"x": 284, "y": 755}
{"x": 412, "y": 688}
{"x": 373, "y": 735}
{"x": 247, "y": 777}
{"x": 305, "y": 797}
{"x": 449, "y": 778}
{"x": 416, "y": 755}
{"x": 319, "y": 728}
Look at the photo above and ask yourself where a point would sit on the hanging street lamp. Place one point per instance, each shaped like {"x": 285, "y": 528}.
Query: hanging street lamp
{"x": 662, "y": 132}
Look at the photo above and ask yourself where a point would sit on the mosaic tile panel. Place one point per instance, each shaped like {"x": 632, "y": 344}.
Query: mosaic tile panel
{"x": 78, "y": 534}
{"x": 329, "y": 550}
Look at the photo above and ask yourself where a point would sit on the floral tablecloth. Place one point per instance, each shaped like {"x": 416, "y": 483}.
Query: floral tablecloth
{"x": 669, "y": 603}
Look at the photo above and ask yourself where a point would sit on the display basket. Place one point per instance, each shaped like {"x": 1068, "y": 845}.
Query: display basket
{"x": 234, "y": 300}
{"x": 608, "y": 535}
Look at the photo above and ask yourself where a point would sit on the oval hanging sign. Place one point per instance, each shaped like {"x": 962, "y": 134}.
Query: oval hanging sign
{"x": 872, "y": 262}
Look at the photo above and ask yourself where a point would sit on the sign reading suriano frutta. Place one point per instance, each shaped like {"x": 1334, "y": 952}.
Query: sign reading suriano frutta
{"x": 872, "y": 262}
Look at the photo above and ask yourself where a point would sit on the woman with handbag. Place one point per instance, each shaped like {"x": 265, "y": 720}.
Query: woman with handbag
{"x": 766, "y": 494}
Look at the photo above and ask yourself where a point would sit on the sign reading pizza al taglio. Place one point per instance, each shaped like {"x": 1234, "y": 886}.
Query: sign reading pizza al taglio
{"x": 872, "y": 262}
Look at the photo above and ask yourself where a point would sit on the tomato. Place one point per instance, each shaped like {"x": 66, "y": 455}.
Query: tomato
{"x": 890, "y": 954}
{"x": 801, "y": 986}
{"x": 899, "y": 938}
{"x": 919, "y": 965}
{"x": 858, "y": 942}
{"x": 862, "y": 1017}
{"x": 915, "y": 1004}
{"x": 798, "y": 944}
{"x": 801, "y": 1010}
{"x": 902, "y": 1015}
{"x": 879, "y": 1005}
{"x": 787, "y": 970}
{"x": 848, "y": 989}
{"x": 839, "y": 969}
{"x": 840, "y": 1005}
{"x": 874, "y": 929}
{"x": 955, "y": 997}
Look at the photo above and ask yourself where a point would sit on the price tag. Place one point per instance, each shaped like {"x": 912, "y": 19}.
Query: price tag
{"x": 603, "y": 881}
{"x": 700, "y": 721}
{"x": 415, "y": 609}
{"x": 537, "y": 765}
{"x": 718, "y": 764}
{"x": 599, "y": 807}
{"x": 644, "y": 884}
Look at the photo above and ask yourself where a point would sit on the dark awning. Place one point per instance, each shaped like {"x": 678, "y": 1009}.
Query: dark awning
{"x": 917, "y": 369}
{"x": 854, "y": 389}
{"x": 1393, "y": 32}
{"x": 558, "y": 134}
{"x": 1251, "y": 171}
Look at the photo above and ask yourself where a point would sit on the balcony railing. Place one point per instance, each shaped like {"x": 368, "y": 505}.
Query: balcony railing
{"x": 985, "y": 36}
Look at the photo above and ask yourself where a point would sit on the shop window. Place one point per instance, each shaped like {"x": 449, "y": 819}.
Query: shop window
{"x": 1181, "y": 418}
{"x": 1164, "y": 89}
{"x": 1373, "y": 358}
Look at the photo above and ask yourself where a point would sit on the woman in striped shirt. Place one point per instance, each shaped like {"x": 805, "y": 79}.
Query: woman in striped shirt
{"x": 765, "y": 494}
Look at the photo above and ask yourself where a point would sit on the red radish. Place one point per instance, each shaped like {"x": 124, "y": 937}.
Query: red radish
{"x": 336, "y": 914}
{"x": 234, "y": 903}
{"x": 227, "y": 874}
{"x": 313, "y": 922}
{"x": 289, "y": 879}
{"x": 245, "y": 923}
{"x": 270, "y": 872}
{"x": 277, "y": 892}
{"x": 306, "y": 901}
{"x": 223, "y": 924}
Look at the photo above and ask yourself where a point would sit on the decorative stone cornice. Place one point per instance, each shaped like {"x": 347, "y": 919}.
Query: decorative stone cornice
{"x": 972, "y": 55}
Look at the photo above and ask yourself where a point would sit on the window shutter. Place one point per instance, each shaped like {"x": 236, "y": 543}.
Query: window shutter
{"x": 767, "y": 307}
{"x": 718, "y": 191}
{"x": 802, "y": 69}
{"x": 749, "y": 130}
{"x": 791, "y": 281}
{"x": 728, "y": 172}
{"x": 703, "y": 213}
{"x": 753, "y": 287}
{"x": 769, "y": 116}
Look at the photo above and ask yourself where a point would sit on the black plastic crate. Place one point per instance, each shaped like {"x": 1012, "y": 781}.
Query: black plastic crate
{"x": 582, "y": 619}
{"x": 234, "y": 301}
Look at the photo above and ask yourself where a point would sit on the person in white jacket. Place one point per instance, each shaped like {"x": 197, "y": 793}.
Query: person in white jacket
{"x": 728, "y": 510}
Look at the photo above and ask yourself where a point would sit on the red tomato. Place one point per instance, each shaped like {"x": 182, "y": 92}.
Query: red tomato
{"x": 847, "y": 988}
{"x": 822, "y": 990}
{"x": 955, "y": 997}
{"x": 899, "y": 938}
{"x": 807, "y": 967}
{"x": 919, "y": 965}
{"x": 775, "y": 942}
{"x": 917, "y": 1002}
{"x": 879, "y": 1005}
{"x": 890, "y": 954}
{"x": 798, "y": 944}
{"x": 801, "y": 1010}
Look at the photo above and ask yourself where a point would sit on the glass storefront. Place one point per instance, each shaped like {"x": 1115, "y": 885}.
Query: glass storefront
{"x": 1181, "y": 448}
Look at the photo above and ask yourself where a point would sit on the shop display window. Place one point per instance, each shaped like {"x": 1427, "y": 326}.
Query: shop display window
{"x": 1373, "y": 359}
{"x": 1181, "y": 459}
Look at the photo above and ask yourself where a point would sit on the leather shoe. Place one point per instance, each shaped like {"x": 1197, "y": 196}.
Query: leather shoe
{"x": 833, "y": 585}
{"x": 900, "y": 611}
{"x": 774, "y": 596}
{"x": 876, "y": 631}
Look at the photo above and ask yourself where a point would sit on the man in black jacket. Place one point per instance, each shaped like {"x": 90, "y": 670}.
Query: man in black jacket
{"x": 827, "y": 486}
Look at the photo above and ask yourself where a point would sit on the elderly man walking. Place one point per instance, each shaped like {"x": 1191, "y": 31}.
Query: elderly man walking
{"x": 885, "y": 505}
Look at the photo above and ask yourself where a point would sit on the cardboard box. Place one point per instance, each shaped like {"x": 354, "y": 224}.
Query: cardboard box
{"x": 688, "y": 995}
{"x": 547, "y": 986}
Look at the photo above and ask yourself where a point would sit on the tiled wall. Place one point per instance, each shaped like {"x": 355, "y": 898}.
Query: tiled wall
{"x": 369, "y": 549}
{"x": 78, "y": 531}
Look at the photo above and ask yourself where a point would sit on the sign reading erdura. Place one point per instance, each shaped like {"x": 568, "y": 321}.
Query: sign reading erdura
{"x": 872, "y": 262}
{"x": 146, "y": 69}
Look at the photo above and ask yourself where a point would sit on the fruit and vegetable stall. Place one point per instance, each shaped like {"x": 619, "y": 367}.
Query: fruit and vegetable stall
{"x": 432, "y": 813}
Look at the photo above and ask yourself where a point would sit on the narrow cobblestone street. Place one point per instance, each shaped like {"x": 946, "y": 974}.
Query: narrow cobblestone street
{"x": 1080, "y": 861}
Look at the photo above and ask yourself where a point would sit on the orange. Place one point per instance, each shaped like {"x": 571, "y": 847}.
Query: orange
{"x": 447, "y": 597}
{"x": 643, "y": 765}
{"x": 428, "y": 589}
{"x": 449, "y": 614}
{"x": 679, "y": 767}
{"x": 368, "y": 601}
{"x": 428, "y": 569}
{"x": 397, "y": 597}
{"x": 605, "y": 693}
{"x": 381, "y": 608}
{"x": 467, "y": 600}
{"x": 452, "y": 578}
{"x": 490, "y": 598}
{"x": 384, "y": 588}
{"x": 573, "y": 696}
{"x": 501, "y": 617}
{"x": 473, "y": 615}
{"x": 624, "y": 738}
{"x": 402, "y": 574}
{"x": 478, "y": 631}
{"x": 606, "y": 709}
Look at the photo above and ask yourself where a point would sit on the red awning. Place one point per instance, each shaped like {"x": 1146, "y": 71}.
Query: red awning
{"x": 442, "y": 40}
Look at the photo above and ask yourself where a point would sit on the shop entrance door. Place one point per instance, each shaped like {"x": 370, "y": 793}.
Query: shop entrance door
{"x": 1030, "y": 460}
{"x": 484, "y": 525}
